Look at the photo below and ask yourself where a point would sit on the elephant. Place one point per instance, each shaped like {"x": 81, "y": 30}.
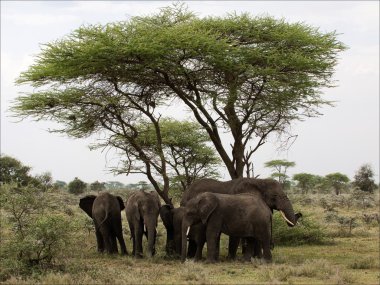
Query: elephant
{"x": 172, "y": 220}
{"x": 105, "y": 210}
{"x": 241, "y": 216}
{"x": 142, "y": 209}
{"x": 270, "y": 191}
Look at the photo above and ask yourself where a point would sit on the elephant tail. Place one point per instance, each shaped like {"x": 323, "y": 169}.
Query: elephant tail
{"x": 271, "y": 234}
{"x": 105, "y": 218}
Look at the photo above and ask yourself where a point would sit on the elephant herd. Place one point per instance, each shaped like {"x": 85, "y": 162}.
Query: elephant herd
{"x": 241, "y": 208}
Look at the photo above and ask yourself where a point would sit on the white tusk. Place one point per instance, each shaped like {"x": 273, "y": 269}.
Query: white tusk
{"x": 188, "y": 230}
{"x": 283, "y": 215}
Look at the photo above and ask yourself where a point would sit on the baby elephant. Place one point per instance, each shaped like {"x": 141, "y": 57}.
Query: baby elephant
{"x": 241, "y": 215}
{"x": 105, "y": 211}
{"x": 142, "y": 208}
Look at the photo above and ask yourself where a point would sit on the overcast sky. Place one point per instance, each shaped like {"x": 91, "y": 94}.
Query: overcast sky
{"x": 343, "y": 139}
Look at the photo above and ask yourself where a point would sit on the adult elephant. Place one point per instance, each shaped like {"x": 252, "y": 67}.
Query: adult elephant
{"x": 142, "y": 209}
{"x": 105, "y": 210}
{"x": 241, "y": 216}
{"x": 172, "y": 220}
{"x": 269, "y": 190}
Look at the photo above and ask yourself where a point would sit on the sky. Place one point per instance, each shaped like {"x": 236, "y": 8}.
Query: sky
{"x": 343, "y": 139}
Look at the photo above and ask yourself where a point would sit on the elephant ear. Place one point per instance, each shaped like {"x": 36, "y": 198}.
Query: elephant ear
{"x": 206, "y": 205}
{"x": 86, "y": 204}
{"x": 166, "y": 215}
{"x": 121, "y": 203}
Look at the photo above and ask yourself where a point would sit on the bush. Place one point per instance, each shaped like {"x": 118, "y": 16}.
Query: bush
{"x": 33, "y": 234}
{"x": 41, "y": 241}
{"x": 307, "y": 231}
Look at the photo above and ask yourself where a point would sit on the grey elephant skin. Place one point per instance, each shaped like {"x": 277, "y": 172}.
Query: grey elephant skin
{"x": 270, "y": 191}
{"x": 142, "y": 209}
{"x": 241, "y": 215}
{"x": 105, "y": 210}
{"x": 172, "y": 220}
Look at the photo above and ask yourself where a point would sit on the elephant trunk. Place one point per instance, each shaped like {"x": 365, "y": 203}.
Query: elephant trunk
{"x": 151, "y": 232}
{"x": 185, "y": 231}
{"x": 287, "y": 212}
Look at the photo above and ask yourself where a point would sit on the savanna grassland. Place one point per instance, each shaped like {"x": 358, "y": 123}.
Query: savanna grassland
{"x": 333, "y": 244}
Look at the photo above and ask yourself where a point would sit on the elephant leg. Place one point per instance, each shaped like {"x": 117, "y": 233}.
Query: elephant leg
{"x": 99, "y": 240}
{"x": 104, "y": 231}
{"x": 257, "y": 249}
{"x": 266, "y": 250}
{"x": 192, "y": 248}
{"x": 138, "y": 239}
{"x": 119, "y": 236}
{"x": 233, "y": 245}
{"x": 249, "y": 245}
{"x": 212, "y": 243}
{"x": 200, "y": 244}
{"x": 113, "y": 242}
{"x": 217, "y": 248}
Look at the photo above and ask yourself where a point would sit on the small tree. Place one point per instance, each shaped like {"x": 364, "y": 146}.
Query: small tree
{"x": 97, "y": 186}
{"x": 45, "y": 180}
{"x": 306, "y": 181}
{"x": 363, "y": 179}
{"x": 114, "y": 185}
{"x": 280, "y": 166}
{"x": 337, "y": 181}
{"x": 38, "y": 235}
{"x": 77, "y": 186}
{"x": 13, "y": 171}
{"x": 58, "y": 184}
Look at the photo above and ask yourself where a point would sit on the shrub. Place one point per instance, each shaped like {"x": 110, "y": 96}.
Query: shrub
{"x": 33, "y": 235}
{"x": 307, "y": 231}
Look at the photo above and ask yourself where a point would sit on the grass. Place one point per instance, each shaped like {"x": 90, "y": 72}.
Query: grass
{"x": 339, "y": 259}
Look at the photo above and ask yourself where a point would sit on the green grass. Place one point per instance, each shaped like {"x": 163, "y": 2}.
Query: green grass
{"x": 338, "y": 260}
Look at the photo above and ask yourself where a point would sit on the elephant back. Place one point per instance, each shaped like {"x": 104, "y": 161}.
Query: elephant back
{"x": 208, "y": 185}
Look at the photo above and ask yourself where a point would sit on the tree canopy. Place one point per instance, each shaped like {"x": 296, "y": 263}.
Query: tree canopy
{"x": 245, "y": 75}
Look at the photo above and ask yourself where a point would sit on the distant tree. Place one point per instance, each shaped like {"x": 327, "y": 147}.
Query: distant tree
{"x": 12, "y": 170}
{"x": 186, "y": 150}
{"x": 77, "y": 186}
{"x": 97, "y": 186}
{"x": 364, "y": 179}
{"x": 143, "y": 185}
{"x": 280, "y": 166}
{"x": 337, "y": 181}
{"x": 58, "y": 184}
{"x": 306, "y": 181}
{"x": 46, "y": 180}
{"x": 114, "y": 185}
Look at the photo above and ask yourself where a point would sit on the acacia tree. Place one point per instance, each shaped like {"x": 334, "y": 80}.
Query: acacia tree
{"x": 280, "y": 166}
{"x": 186, "y": 150}
{"x": 248, "y": 76}
{"x": 337, "y": 181}
{"x": 306, "y": 181}
{"x": 363, "y": 179}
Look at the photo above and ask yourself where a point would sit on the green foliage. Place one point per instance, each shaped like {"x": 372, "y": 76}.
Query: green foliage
{"x": 337, "y": 180}
{"x": 248, "y": 75}
{"x": 186, "y": 150}
{"x": 13, "y": 171}
{"x": 97, "y": 186}
{"x": 280, "y": 166}
{"x": 307, "y": 181}
{"x": 77, "y": 186}
{"x": 364, "y": 179}
{"x": 33, "y": 235}
{"x": 307, "y": 231}
{"x": 114, "y": 185}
